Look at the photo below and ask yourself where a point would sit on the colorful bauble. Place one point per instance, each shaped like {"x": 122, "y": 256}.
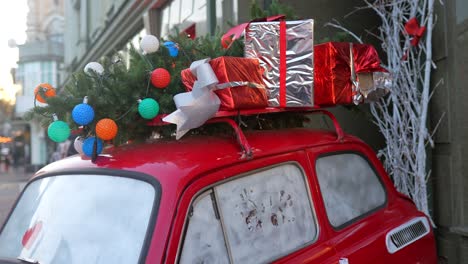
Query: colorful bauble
{"x": 149, "y": 44}
{"x": 148, "y": 108}
{"x": 83, "y": 113}
{"x": 160, "y": 78}
{"x": 58, "y": 131}
{"x": 172, "y": 47}
{"x": 78, "y": 145}
{"x": 88, "y": 146}
{"x": 106, "y": 129}
{"x": 48, "y": 90}
{"x": 94, "y": 66}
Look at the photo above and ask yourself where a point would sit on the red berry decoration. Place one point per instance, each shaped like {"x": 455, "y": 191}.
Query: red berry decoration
{"x": 106, "y": 129}
{"x": 160, "y": 78}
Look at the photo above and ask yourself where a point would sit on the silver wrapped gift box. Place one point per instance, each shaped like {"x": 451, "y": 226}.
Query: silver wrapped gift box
{"x": 285, "y": 50}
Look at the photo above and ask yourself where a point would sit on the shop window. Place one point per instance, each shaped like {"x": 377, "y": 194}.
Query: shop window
{"x": 461, "y": 11}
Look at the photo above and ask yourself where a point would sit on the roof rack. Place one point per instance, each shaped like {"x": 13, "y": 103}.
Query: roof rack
{"x": 224, "y": 117}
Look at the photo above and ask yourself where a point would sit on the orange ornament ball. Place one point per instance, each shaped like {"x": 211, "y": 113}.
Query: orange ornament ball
{"x": 106, "y": 129}
{"x": 48, "y": 90}
{"x": 160, "y": 78}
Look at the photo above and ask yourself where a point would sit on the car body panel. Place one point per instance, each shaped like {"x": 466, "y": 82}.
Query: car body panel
{"x": 319, "y": 251}
{"x": 363, "y": 240}
{"x": 186, "y": 167}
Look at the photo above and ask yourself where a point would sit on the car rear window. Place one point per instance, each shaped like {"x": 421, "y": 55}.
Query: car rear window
{"x": 349, "y": 186}
{"x": 80, "y": 219}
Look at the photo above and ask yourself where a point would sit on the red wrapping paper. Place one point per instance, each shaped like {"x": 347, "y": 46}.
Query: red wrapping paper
{"x": 332, "y": 68}
{"x": 235, "y": 69}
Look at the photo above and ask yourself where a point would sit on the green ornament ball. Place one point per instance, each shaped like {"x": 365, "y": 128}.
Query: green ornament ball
{"x": 58, "y": 131}
{"x": 148, "y": 108}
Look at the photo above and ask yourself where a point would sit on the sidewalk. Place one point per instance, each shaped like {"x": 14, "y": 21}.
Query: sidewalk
{"x": 14, "y": 175}
{"x": 11, "y": 184}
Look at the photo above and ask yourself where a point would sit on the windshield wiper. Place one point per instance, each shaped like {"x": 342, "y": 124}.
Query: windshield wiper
{"x": 28, "y": 260}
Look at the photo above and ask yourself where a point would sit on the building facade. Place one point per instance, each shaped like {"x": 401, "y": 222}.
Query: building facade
{"x": 450, "y": 155}
{"x": 40, "y": 61}
{"x": 98, "y": 28}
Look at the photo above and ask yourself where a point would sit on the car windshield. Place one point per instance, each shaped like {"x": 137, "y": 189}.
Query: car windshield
{"x": 80, "y": 219}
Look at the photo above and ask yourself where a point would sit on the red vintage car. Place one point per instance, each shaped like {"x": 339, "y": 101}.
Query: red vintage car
{"x": 284, "y": 196}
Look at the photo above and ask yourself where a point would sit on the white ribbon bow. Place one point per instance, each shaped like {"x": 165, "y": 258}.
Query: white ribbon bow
{"x": 196, "y": 107}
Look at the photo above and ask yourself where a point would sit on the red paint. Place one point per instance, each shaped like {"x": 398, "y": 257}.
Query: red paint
{"x": 244, "y": 144}
{"x": 157, "y": 121}
{"x": 31, "y": 234}
{"x": 186, "y": 167}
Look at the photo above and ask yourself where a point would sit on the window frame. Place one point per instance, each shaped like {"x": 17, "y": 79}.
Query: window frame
{"x": 206, "y": 190}
{"x": 371, "y": 166}
{"x": 108, "y": 172}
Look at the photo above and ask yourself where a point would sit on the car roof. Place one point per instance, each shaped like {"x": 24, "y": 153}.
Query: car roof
{"x": 186, "y": 158}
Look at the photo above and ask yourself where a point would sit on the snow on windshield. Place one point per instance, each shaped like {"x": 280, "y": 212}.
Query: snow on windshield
{"x": 80, "y": 219}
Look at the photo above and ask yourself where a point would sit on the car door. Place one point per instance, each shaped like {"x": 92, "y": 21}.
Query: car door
{"x": 260, "y": 211}
{"x": 354, "y": 197}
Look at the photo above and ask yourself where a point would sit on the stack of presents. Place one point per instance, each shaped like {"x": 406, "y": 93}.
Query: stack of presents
{"x": 281, "y": 68}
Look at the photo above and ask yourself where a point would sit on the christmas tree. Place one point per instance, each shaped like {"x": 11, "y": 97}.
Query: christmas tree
{"x": 114, "y": 90}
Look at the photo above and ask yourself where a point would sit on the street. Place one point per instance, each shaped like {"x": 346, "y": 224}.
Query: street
{"x": 11, "y": 184}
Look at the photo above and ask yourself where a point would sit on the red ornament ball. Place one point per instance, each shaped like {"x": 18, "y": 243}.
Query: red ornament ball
{"x": 160, "y": 78}
{"x": 49, "y": 91}
{"x": 106, "y": 129}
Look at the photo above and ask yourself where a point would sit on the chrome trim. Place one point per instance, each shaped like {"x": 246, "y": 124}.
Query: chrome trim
{"x": 407, "y": 234}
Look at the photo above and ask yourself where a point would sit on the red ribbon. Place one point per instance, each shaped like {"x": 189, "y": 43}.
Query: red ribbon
{"x": 235, "y": 32}
{"x": 413, "y": 29}
{"x": 282, "y": 68}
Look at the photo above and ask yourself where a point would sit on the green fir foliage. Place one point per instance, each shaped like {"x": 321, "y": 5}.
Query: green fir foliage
{"x": 115, "y": 94}
{"x": 275, "y": 8}
{"x": 338, "y": 37}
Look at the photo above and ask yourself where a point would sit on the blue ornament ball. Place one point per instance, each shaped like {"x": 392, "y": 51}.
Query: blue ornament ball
{"x": 83, "y": 114}
{"x": 88, "y": 145}
{"x": 172, "y": 47}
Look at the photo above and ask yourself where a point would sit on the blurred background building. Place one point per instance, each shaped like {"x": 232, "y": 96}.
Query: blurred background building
{"x": 40, "y": 61}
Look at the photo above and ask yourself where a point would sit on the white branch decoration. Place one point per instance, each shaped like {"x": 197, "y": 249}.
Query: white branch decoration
{"x": 402, "y": 116}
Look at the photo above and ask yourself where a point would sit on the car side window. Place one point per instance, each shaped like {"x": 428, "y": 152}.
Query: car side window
{"x": 264, "y": 216}
{"x": 204, "y": 241}
{"x": 350, "y": 187}
{"x": 267, "y": 214}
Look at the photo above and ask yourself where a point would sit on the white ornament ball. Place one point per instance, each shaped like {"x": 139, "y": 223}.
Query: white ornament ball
{"x": 78, "y": 144}
{"x": 95, "y": 66}
{"x": 149, "y": 44}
